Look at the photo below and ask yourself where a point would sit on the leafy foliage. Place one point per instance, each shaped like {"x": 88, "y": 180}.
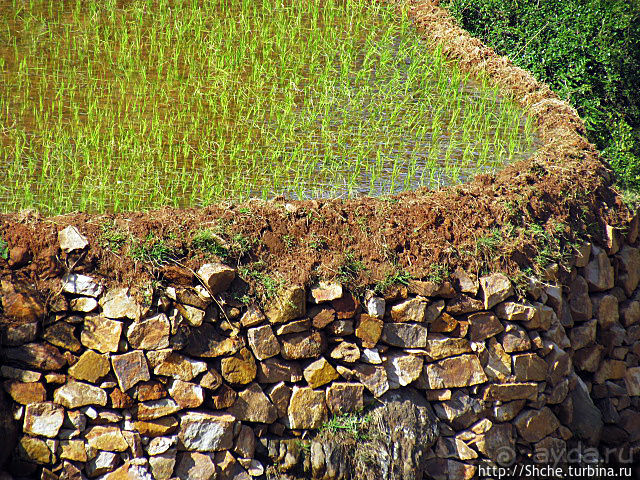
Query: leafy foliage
{"x": 586, "y": 50}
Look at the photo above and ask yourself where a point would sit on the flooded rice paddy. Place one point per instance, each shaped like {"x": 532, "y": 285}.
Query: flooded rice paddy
{"x": 122, "y": 105}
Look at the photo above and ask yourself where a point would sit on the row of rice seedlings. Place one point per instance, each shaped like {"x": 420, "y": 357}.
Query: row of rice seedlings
{"x": 176, "y": 102}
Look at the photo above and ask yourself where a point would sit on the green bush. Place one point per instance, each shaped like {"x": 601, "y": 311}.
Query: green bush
{"x": 588, "y": 51}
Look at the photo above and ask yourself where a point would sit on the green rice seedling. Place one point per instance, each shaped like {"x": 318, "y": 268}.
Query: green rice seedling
{"x": 108, "y": 107}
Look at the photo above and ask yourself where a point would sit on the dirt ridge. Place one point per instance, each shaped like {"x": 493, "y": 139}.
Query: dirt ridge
{"x": 565, "y": 190}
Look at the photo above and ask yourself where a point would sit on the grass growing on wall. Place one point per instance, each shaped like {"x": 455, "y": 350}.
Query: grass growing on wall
{"x": 110, "y": 106}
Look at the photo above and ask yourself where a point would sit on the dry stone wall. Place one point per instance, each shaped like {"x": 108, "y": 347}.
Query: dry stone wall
{"x": 183, "y": 381}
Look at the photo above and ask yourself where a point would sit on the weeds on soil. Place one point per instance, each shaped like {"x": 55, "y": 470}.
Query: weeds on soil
{"x": 107, "y": 106}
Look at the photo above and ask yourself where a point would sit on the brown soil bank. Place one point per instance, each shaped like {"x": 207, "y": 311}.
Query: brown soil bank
{"x": 526, "y": 216}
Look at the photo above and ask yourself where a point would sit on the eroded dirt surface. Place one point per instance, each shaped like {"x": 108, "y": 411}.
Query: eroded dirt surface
{"x": 489, "y": 224}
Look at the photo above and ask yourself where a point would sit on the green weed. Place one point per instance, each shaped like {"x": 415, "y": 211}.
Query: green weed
{"x": 154, "y": 250}
{"x": 396, "y": 278}
{"x": 4, "y": 249}
{"x": 208, "y": 241}
{"x": 112, "y": 238}
{"x": 354, "y": 424}
{"x": 350, "y": 269}
{"x": 438, "y": 273}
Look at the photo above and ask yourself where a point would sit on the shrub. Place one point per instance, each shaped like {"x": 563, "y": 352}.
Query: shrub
{"x": 588, "y": 51}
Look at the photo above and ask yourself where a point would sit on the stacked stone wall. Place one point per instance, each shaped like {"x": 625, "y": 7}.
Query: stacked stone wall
{"x": 184, "y": 381}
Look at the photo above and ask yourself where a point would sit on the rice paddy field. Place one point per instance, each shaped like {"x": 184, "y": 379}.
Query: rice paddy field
{"x": 129, "y": 105}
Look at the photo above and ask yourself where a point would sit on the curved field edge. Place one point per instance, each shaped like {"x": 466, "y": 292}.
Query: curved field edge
{"x": 530, "y": 215}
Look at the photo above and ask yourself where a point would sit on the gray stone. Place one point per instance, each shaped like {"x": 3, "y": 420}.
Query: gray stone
{"x": 496, "y": 288}
{"x": 71, "y": 239}
{"x": 405, "y": 335}
{"x": 206, "y": 432}
{"x": 78, "y": 394}
{"x": 599, "y": 272}
{"x": 77, "y": 284}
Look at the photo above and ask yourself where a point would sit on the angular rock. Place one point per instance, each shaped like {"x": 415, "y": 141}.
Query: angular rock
{"x": 303, "y": 345}
{"x": 514, "y": 311}
{"x": 14, "y": 334}
{"x": 154, "y": 409}
{"x": 73, "y": 450}
{"x": 195, "y": 466}
{"x": 588, "y": 359}
{"x": 529, "y": 367}
{"x": 326, "y": 292}
{"x": 83, "y": 304}
{"x": 441, "y": 346}
{"x": 405, "y": 335}
{"x": 402, "y": 369}
{"x": 273, "y": 371}
{"x": 34, "y": 450}
{"x": 79, "y": 394}
{"x": 26, "y": 376}
{"x": 192, "y": 315}
{"x": 252, "y": 317}
{"x": 307, "y": 408}
{"x": 584, "y": 335}
{"x": 295, "y": 326}
{"x": 369, "y": 329}
{"x": 496, "y": 288}
{"x": 579, "y": 301}
{"x": 288, "y": 305}
{"x": 157, "y": 427}
{"x": 101, "y": 334}
{"x": 263, "y": 342}
{"x": 36, "y": 355}
{"x": 445, "y": 323}
{"x": 280, "y": 395}
{"x": 493, "y": 442}
{"x": 159, "y": 445}
{"x": 610, "y": 370}
{"x": 217, "y": 277}
{"x": 206, "y": 432}
{"x": 454, "y": 448}
{"x": 205, "y": 341}
{"x": 506, "y": 392}
{"x": 599, "y": 272}
{"x": 632, "y": 381}
{"x": 25, "y": 393}
{"x": 61, "y": 334}
{"x": 21, "y": 303}
{"x": 454, "y": 372}
{"x": 252, "y": 405}
{"x": 319, "y": 372}
{"x": 130, "y": 369}
{"x": 117, "y": 303}
{"x": 162, "y": 465}
{"x": 120, "y": 400}
{"x": 373, "y": 377}
{"x": 629, "y": 269}
{"x": 515, "y": 339}
{"x": 586, "y": 422}
{"x": 71, "y": 239}
{"x": 534, "y": 425}
{"x": 150, "y": 334}
{"x": 505, "y": 412}
{"x": 483, "y": 325}
{"x": 106, "y": 438}
{"x": 77, "y": 284}
{"x": 239, "y": 369}
{"x": 186, "y": 395}
{"x": 375, "y": 307}
{"x": 102, "y": 463}
{"x": 347, "y": 352}
{"x": 344, "y": 397}
{"x": 172, "y": 364}
{"x": 606, "y": 310}
{"x": 152, "y": 390}
{"x": 410, "y": 310}
{"x": 224, "y": 397}
{"x": 44, "y": 419}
